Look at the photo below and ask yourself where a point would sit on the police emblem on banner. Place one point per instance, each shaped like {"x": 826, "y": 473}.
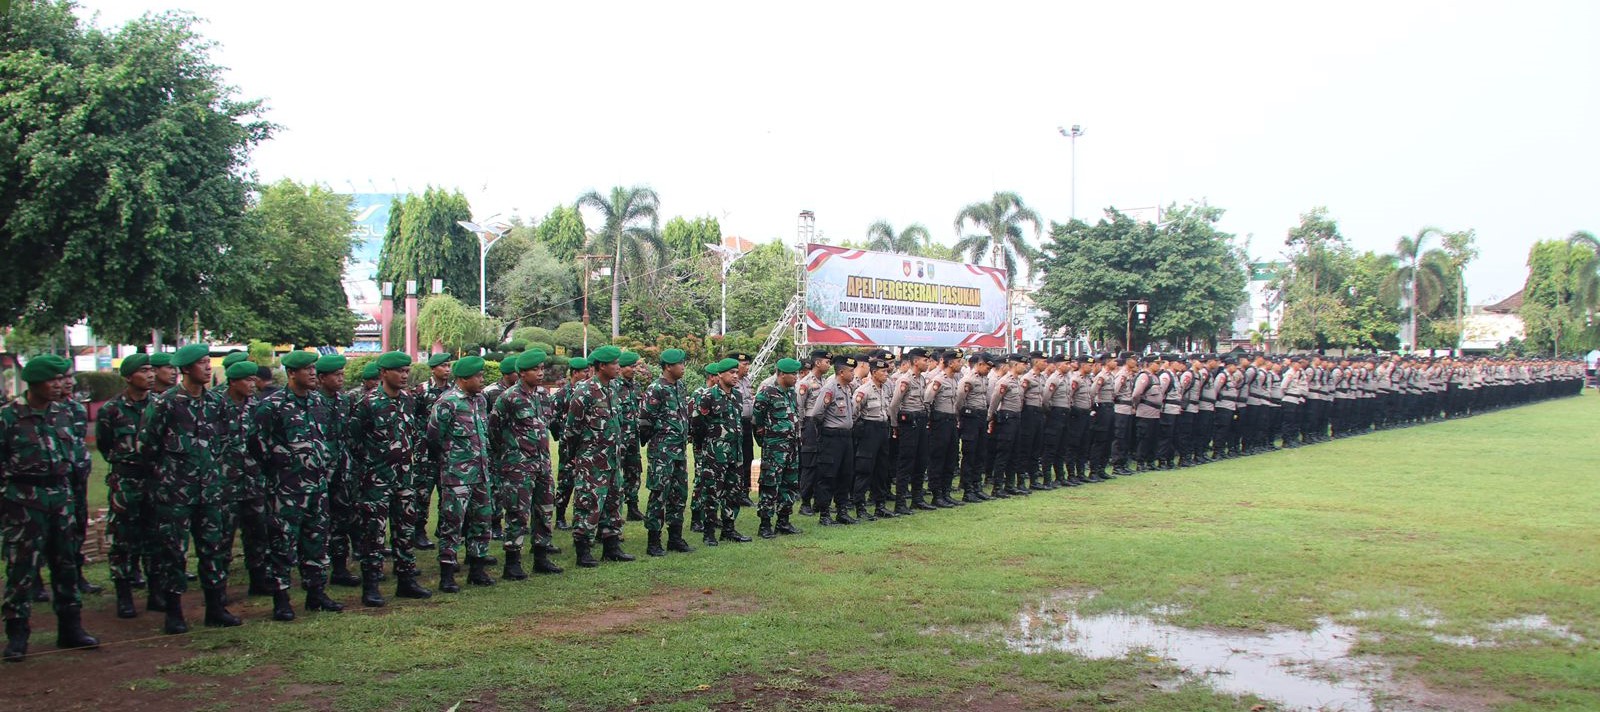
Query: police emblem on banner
{"x": 905, "y": 267}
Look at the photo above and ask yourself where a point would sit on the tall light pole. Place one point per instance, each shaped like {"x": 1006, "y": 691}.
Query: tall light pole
{"x": 1073, "y": 134}
{"x": 729, "y": 256}
{"x": 488, "y": 235}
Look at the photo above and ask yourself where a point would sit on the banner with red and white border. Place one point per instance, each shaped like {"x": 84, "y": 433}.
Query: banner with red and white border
{"x": 864, "y": 298}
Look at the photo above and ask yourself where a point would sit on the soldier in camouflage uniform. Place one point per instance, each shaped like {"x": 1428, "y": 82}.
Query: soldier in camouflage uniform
{"x": 592, "y": 428}
{"x": 718, "y": 415}
{"x": 664, "y": 426}
{"x": 369, "y": 377}
{"x": 517, "y": 423}
{"x": 577, "y": 372}
{"x": 183, "y": 439}
{"x": 491, "y": 393}
{"x": 776, "y": 417}
{"x": 36, "y": 510}
{"x": 383, "y": 441}
{"x": 78, "y": 416}
{"x": 705, "y": 474}
{"x": 341, "y": 489}
{"x": 458, "y": 430}
{"x": 116, "y": 436}
{"x": 292, "y": 444}
{"x": 628, "y": 402}
{"x": 244, "y": 490}
{"x": 425, "y": 473}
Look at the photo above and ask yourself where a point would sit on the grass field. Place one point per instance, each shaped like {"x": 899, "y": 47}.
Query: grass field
{"x": 1416, "y": 537}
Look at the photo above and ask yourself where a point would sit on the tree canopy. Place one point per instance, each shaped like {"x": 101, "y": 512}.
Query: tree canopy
{"x": 1000, "y": 224}
{"x": 1561, "y": 295}
{"x": 424, "y": 242}
{"x": 688, "y": 238}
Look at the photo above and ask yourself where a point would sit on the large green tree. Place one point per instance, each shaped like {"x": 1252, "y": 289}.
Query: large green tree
{"x": 630, "y": 234}
{"x": 1191, "y": 274}
{"x": 123, "y": 181}
{"x": 424, "y": 241}
{"x": 688, "y": 238}
{"x": 1311, "y": 287}
{"x": 882, "y": 236}
{"x": 562, "y": 231}
{"x": 1561, "y": 295}
{"x": 287, "y": 283}
{"x": 448, "y": 320}
{"x": 1419, "y": 278}
{"x": 999, "y": 224}
{"x": 538, "y": 291}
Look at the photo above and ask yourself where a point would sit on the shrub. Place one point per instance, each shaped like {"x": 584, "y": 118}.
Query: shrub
{"x": 100, "y": 385}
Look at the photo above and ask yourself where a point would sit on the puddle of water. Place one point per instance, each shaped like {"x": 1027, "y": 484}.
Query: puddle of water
{"x": 1304, "y": 670}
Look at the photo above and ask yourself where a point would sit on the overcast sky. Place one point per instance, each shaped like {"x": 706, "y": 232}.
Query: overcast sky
{"x": 1395, "y": 115}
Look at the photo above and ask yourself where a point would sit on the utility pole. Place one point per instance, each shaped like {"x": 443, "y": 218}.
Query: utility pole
{"x": 587, "y": 272}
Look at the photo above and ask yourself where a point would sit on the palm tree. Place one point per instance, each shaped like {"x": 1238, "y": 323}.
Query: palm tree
{"x": 1586, "y": 283}
{"x": 910, "y": 241}
{"x": 630, "y": 235}
{"x": 1460, "y": 246}
{"x": 1000, "y": 221}
{"x": 1420, "y": 276}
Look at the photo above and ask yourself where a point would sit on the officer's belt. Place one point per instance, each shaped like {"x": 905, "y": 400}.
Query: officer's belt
{"x": 914, "y": 415}
{"x": 939, "y": 417}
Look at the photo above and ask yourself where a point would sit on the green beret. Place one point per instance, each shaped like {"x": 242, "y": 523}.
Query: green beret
{"x": 672, "y": 356}
{"x": 132, "y": 364}
{"x": 509, "y": 364}
{"x": 714, "y": 368}
{"x": 234, "y": 357}
{"x": 788, "y": 365}
{"x": 605, "y": 354}
{"x": 40, "y": 369}
{"x": 330, "y": 363}
{"x": 728, "y": 364}
{"x": 467, "y": 367}
{"x": 577, "y": 364}
{"x": 369, "y": 371}
{"x": 438, "y": 360}
{"x": 628, "y": 358}
{"x": 394, "y": 359}
{"x": 295, "y": 360}
{"x": 532, "y": 358}
{"x": 61, "y": 363}
{"x": 242, "y": 369}
{"x": 161, "y": 359}
{"x": 187, "y": 355}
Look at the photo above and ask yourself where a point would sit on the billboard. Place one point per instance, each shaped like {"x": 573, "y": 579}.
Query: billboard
{"x": 863, "y": 298}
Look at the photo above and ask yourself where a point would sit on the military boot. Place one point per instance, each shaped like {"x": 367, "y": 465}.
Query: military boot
{"x": 407, "y": 587}
{"x": 863, "y": 515}
{"x": 341, "y": 574}
{"x": 765, "y": 531}
{"x": 843, "y": 518}
{"x": 917, "y": 502}
{"x": 447, "y": 578}
{"x": 970, "y": 496}
{"x": 421, "y": 540}
{"x": 653, "y": 547}
{"x": 513, "y": 568}
{"x": 125, "y": 607}
{"x": 823, "y": 520}
{"x": 634, "y": 515}
{"x": 259, "y": 585}
{"x": 371, "y": 597}
{"x": 175, "y": 624}
{"x": 731, "y": 534}
{"x": 16, "y": 640}
{"x": 317, "y": 600}
{"x": 784, "y": 527}
{"x": 900, "y": 508}
{"x": 83, "y": 583}
{"x": 542, "y": 563}
{"x": 40, "y": 595}
{"x": 138, "y": 582}
{"x": 611, "y": 549}
{"x": 585, "y": 557}
{"x": 69, "y": 630}
{"x": 217, "y": 615}
{"x": 882, "y": 512}
{"x": 675, "y": 540}
{"x": 282, "y": 609}
{"x": 477, "y": 571}
{"x": 708, "y": 536}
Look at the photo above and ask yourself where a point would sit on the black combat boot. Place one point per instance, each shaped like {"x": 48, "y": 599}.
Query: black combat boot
{"x": 585, "y": 557}
{"x": 729, "y": 533}
{"x": 513, "y": 568}
{"x": 83, "y": 583}
{"x": 918, "y": 503}
{"x": 653, "y": 548}
{"x": 69, "y": 630}
{"x": 900, "y": 508}
{"x": 708, "y": 536}
{"x": 675, "y": 540}
{"x": 634, "y": 515}
{"x": 125, "y": 607}
{"x": 765, "y": 531}
{"x": 611, "y": 549}
{"x": 317, "y": 600}
{"x": 998, "y": 492}
{"x": 407, "y": 587}
{"x": 477, "y": 573}
{"x": 882, "y": 512}
{"x": 138, "y": 582}
{"x": 823, "y": 520}
{"x": 784, "y": 527}
{"x": 40, "y": 595}
{"x": 447, "y": 578}
{"x": 282, "y": 609}
{"x": 259, "y": 585}
{"x": 341, "y": 573}
{"x": 16, "y": 640}
{"x": 542, "y": 563}
{"x": 217, "y": 615}
{"x": 371, "y": 597}
{"x": 863, "y": 515}
{"x": 843, "y": 518}
{"x": 421, "y": 540}
{"x": 175, "y": 623}
{"x": 970, "y": 496}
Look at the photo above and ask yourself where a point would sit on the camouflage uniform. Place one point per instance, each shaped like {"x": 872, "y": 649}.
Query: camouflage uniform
{"x": 664, "y": 425}
{"x": 628, "y": 401}
{"x": 116, "y": 436}
{"x": 383, "y": 446}
{"x": 243, "y": 490}
{"x": 706, "y": 478}
{"x": 523, "y": 459}
{"x": 78, "y": 420}
{"x": 425, "y": 472}
{"x": 591, "y": 426}
{"x": 491, "y": 395}
{"x": 776, "y": 418}
{"x": 458, "y": 431}
{"x": 183, "y": 439}
{"x": 717, "y": 418}
{"x": 36, "y": 506}
{"x": 293, "y": 445}
{"x": 341, "y": 485}
{"x": 564, "y": 483}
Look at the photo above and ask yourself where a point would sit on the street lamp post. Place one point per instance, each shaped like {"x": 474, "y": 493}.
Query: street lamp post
{"x": 488, "y": 235}
{"x": 729, "y": 256}
{"x": 1073, "y": 134}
